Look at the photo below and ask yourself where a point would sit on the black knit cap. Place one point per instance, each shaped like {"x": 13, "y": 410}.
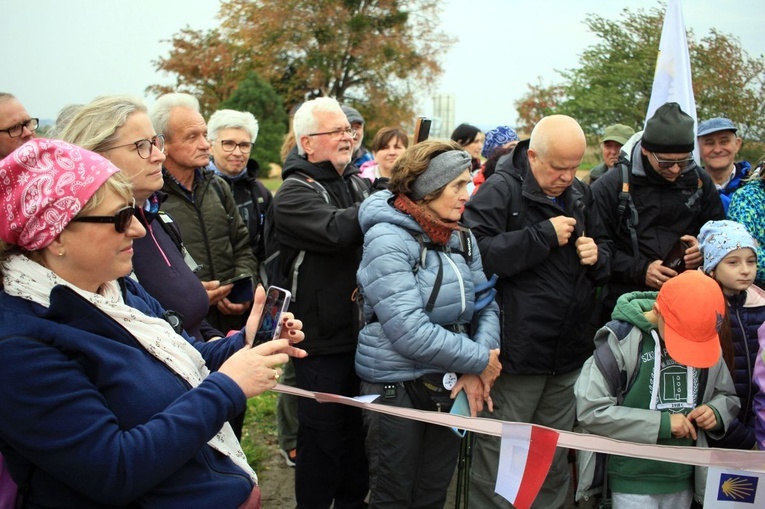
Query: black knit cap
{"x": 669, "y": 131}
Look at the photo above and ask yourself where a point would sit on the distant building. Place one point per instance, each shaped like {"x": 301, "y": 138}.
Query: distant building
{"x": 443, "y": 116}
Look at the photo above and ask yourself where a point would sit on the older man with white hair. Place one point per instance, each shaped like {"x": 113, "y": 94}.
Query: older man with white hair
{"x": 320, "y": 242}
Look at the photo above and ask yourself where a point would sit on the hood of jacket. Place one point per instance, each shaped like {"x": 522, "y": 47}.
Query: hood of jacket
{"x": 631, "y": 307}
{"x": 321, "y": 171}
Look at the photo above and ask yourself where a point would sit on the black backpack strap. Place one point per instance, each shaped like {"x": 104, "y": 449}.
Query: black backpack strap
{"x": 699, "y": 188}
{"x": 168, "y": 225}
{"x": 515, "y": 200}
{"x": 626, "y": 204}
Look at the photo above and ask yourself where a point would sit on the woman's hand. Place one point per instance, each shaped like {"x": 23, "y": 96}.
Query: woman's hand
{"x": 256, "y": 370}
{"x": 476, "y": 396}
{"x": 491, "y": 371}
{"x": 292, "y": 329}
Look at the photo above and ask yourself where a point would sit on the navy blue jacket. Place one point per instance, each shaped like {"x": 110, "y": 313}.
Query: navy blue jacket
{"x": 91, "y": 419}
{"x": 747, "y": 314}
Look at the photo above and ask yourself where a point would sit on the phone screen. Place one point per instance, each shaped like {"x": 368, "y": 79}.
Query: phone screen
{"x": 277, "y": 302}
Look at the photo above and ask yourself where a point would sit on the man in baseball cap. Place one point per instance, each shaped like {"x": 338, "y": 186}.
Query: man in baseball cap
{"x": 718, "y": 146}
{"x": 360, "y": 153}
{"x": 614, "y": 138}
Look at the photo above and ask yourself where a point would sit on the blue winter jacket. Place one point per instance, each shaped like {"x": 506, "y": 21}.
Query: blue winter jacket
{"x": 747, "y": 313}
{"x": 90, "y": 419}
{"x": 403, "y": 341}
{"x": 743, "y": 169}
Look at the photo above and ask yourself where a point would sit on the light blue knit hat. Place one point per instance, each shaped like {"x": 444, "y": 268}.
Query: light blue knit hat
{"x": 718, "y": 238}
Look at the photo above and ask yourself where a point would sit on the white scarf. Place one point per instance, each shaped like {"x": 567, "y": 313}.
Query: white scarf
{"x": 31, "y": 281}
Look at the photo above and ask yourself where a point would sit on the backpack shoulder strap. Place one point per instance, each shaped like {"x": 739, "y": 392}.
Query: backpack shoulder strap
{"x": 604, "y": 359}
{"x": 515, "y": 199}
{"x": 626, "y": 204}
{"x": 299, "y": 176}
{"x": 360, "y": 186}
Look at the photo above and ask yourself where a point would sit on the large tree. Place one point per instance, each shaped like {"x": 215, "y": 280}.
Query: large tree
{"x": 257, "y": 96}
{"x": 205, "y": 65}
{"x": 614, "y": 79}
{"x": 365, "y": 52}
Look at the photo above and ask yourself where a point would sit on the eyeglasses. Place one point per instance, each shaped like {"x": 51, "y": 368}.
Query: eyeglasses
{"x": 143, "y": 147}
{"x": 230, "y": 146}
{"x": 666, "y": 164}
{"x": 16, "y": 130}
{"x": 337, "y": 134}
{"x": 121, "y": 219}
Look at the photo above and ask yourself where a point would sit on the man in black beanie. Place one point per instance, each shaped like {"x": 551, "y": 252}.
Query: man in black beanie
{"x": 653, "y": 220}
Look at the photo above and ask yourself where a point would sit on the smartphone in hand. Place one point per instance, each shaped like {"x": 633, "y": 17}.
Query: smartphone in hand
{"x": 243, "y": 290}
{"x": 675, "y": 259}
{"x": 277, "y": 302}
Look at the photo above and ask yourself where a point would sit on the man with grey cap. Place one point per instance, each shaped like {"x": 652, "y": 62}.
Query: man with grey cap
{"x": 538, "y": 230}
{"x": 653, "y": 224}
{"x": 718, "y": 147}
{"x": 360, "y": 154}
{"x": 614, "y": 138}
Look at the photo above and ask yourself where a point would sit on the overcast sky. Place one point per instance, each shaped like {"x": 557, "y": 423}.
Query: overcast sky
{"x": 58, "y": 52}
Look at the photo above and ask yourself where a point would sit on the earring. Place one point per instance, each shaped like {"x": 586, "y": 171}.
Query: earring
{"x": 61, "y": 253}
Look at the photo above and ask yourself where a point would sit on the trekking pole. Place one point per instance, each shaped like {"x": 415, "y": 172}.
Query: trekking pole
{"x": 463, "y": 472}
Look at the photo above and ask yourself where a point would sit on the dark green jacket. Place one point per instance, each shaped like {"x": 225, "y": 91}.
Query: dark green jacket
{"x": 212, "y": 229}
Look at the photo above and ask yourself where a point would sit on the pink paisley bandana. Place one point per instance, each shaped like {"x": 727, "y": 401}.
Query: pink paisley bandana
{"x": 43, "y": 185}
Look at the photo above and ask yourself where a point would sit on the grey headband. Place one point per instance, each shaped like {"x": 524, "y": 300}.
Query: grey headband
{"x": 442, "y": 169}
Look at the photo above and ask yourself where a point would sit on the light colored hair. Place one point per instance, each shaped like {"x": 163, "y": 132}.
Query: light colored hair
{"x": 95, "y": 125}
{"x": 160, "y": 112}
{"x": 65, "y": 116}
{"x": 305, "y": 121}
{"x": 5, "y": 96}
{"x": 232, "y": 119}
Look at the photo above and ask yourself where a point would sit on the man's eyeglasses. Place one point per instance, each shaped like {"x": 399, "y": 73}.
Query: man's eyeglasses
{"x": 230, "y": 146}
{"x": 666, "y": 164}
{"x": 337, "y": 133}
{"x": 16, "y": 130}
{"x": 121, "y": 219}
{"x": 143, "y": 147}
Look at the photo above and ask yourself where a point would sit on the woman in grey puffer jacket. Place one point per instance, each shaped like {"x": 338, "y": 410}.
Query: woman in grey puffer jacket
{"x": 427, "y": 334}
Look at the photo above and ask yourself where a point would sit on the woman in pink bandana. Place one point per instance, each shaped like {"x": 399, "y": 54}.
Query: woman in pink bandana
{"x": 103, "y": 403}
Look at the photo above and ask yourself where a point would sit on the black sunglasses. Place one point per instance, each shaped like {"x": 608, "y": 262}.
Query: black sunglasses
{"x": 121, "y": 219}
{"x": 666, "y": 164}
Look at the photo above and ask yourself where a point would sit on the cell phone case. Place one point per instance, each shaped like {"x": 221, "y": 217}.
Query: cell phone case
{"x": 277, "y": 302}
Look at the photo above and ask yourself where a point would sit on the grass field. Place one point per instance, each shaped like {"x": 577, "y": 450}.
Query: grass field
{"x": 259, "y": 431}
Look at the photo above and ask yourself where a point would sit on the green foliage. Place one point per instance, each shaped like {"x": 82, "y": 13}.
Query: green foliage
{"x": 614, "y": 79}
{"x": 256, "y": 95}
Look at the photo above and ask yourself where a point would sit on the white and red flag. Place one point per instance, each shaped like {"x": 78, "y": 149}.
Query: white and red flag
{"x": 525, "y": 457}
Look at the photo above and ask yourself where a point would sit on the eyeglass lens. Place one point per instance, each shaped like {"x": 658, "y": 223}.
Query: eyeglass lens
{"x": 144, "y": 146}
{"x": 18, "y": 129}
{"x": 230, "y": 146}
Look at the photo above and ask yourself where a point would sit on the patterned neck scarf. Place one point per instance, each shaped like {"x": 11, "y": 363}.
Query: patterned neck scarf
{"x": 438, "y": 230}
{"x": 31, "y": 281}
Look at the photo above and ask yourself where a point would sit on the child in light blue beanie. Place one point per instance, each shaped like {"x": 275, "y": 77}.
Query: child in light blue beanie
{"x": 730, "y": 257}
